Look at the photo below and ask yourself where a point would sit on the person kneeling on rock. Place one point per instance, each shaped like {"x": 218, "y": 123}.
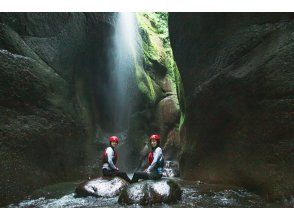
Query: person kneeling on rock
{"x": 109, "y": 158}
{"x": 155, "y": 161}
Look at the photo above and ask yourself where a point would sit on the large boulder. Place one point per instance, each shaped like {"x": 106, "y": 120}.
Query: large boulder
{"x": 168, "y": 111}
{"x": 101, "y": 187}
{"x": 150, "y": 192}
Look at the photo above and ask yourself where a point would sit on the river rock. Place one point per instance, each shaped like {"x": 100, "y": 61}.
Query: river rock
{"x": 150, "y": 192}
{"x": 101, "y": 187}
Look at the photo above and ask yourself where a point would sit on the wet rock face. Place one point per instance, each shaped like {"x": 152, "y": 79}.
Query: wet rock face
{"x": 46, "y": 73}
{"x": 237, "y": 73}
{"x": 101, "y": 187}
{"x": 151, "y": 192}
{"x": 168, "y": 111}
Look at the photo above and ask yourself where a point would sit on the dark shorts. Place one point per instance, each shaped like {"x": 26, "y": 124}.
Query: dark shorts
{"x": 108, "y": 173}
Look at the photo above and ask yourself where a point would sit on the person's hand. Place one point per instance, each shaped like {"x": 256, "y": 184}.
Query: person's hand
{"x": 147, "y": 171}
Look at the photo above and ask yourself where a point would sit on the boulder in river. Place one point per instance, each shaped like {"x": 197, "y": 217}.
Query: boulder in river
{"x": 101, "y": 187}
{"x": 150, "y": 192}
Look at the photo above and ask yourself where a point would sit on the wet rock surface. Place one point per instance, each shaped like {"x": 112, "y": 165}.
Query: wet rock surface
{"x": 237, "y": 72}
{"x": 151, "y": 192}
{"x": 101, "y": 187}
{"x": 45, "y": 112}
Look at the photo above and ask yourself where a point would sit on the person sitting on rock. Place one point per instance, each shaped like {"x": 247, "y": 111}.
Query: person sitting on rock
{"x": 155, "y": 161}
{"x": 109, "y": 159}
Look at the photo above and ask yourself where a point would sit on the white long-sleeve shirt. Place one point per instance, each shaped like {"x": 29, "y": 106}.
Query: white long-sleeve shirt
{"x": 110, "y": 157}
{"x": 157, "y": 156}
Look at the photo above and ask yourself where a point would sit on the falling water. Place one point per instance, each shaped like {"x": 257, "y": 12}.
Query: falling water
{"x": 123, "y": 52}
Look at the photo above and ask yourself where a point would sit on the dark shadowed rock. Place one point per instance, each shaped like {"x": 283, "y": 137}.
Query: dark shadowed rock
{"x": 101, "y": 187}
{"x": 172, "y": 146}
{"x": 237, "y": 73}
{"x": 46, "y": 112}
{"x": 150, "y": 192}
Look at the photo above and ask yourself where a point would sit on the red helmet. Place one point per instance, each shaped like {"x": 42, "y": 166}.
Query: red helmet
{"x": 113, "y": 139}
{"x": 155, "y": 136}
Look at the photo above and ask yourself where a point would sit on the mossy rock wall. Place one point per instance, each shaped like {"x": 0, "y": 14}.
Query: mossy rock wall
{"x": 157, "y": 106}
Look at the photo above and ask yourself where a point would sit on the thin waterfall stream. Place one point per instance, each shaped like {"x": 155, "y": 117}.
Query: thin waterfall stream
{"x": 121, "y": 65}
{"x": 121, "y": 62}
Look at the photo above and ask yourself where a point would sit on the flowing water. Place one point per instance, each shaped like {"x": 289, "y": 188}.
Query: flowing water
{"x": 121, "y": 66}
{"x": 195, "y": 194}
{"x": 122, "y": 59}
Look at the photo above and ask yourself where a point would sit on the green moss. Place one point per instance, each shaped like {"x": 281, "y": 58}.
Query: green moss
{"x": 180, "y": 89}
{"x": 145, "y": 84}
{"x": 152, "y": 94}
{"x": 182, "y": 120}
{"x": 157, "y": 52}
{"x": 152, "y": 40}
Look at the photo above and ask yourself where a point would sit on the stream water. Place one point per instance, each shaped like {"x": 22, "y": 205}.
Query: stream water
{"x": 195, "y": 194}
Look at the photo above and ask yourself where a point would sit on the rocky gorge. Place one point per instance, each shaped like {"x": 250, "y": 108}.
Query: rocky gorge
{"x": 218, "y": 87}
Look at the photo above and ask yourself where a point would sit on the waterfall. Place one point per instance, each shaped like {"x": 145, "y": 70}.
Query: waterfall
{"x": 123, "y": 52}
{"x": 122, "y": 60}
